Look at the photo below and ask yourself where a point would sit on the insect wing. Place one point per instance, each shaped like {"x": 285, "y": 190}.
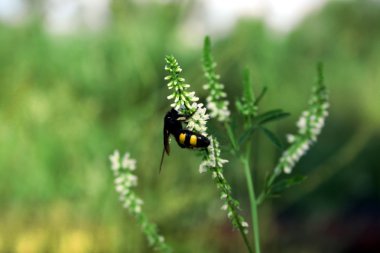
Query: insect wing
{"x": 166, "y": 148}
{"x": 166, "y": 141}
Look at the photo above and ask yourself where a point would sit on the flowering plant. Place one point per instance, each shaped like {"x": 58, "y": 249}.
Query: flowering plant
{"x": 217, "y": 107}
{"x": 125, "y": 181}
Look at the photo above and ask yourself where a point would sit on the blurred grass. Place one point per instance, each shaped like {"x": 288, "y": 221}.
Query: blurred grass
{"x": 67, "y": 101}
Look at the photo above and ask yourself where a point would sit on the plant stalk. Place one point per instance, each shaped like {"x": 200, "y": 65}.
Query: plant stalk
{"x": 240, "y": 228}
{"x": 223, "y": 182}
{"x": 252, "y": 198}
{"x": 231, "y": 136}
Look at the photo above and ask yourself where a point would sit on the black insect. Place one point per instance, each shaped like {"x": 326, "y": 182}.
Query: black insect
{"x": 185, "y": 138}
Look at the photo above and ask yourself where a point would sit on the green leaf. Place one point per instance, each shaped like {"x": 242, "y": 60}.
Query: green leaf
{"x": 273, "y": 138}
{"x": 271, "y": 116}
{"x": 247, "y": 84}
{"x": 207, "y": 59}
{"x": 247, "y": 134}
{"x": 320, "y": 80}
{"x": 261, "y": 95}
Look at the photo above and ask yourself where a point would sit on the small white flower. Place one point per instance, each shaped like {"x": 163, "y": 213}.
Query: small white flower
{"x": 221, "y": 162}
{"x": 115, "y": 160}
{"x": 137, "y": 209}
{"x": 302, "y": 123}
{"x": 244, "y": 224}
{"x": 305, "y": 147}
{"x": 291, "y": 138}
{"x": 197, "y": 122}
{"x": 139, "y": 201}
{"x": 224, "y": 113}
{"x": 132, "y": 179}
{"x": 119, "y": 180}
{"x": 127, "y": 203}
{"x": 287, "y": 170}
{"x": 119, "y": 188}
{"x": 218, "y": 110}
{"x": 224, "y": 207}
{"x": 128, "y": 163}
{"x": 320, "y": 123}
{"x": 203, "y": 167}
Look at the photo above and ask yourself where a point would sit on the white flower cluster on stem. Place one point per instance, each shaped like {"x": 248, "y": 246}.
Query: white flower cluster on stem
{"x": 216, "y": 101}
{"x": 309, "y": 126}
{"x": 213, "y": 163}
{"x": 125, "y": 180}
{"x": 185, "y": 101}
{"x": 197, "y": 122}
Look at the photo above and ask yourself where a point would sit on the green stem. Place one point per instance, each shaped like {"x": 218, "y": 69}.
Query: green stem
{"x": 252, "y": 198}
{"x": 237, "y": 220}
{"x": 223, "y": 183}
{"x": 231, "y": 136}
{"x": 241, "y": 229}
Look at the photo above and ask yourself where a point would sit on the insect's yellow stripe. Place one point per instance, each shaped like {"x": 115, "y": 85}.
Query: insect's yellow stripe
{"x": 182, "y": 138}
{"x": 193, "y": 140}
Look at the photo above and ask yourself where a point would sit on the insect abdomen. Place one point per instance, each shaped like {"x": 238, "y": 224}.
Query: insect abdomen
{"x": 189, "y": 139}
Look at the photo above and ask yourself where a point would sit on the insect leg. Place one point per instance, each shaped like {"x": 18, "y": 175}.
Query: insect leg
{"x": 182, "y": 117}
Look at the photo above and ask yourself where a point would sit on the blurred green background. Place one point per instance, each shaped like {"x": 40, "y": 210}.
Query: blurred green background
{"x": 67, "y": 101}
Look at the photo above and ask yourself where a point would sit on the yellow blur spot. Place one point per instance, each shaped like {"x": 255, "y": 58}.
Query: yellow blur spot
{"x": 193, "y": 140}
{"x": 30, "y": 241}
{"x": 76, "y": 241}
{"x": 182, "y": 138}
